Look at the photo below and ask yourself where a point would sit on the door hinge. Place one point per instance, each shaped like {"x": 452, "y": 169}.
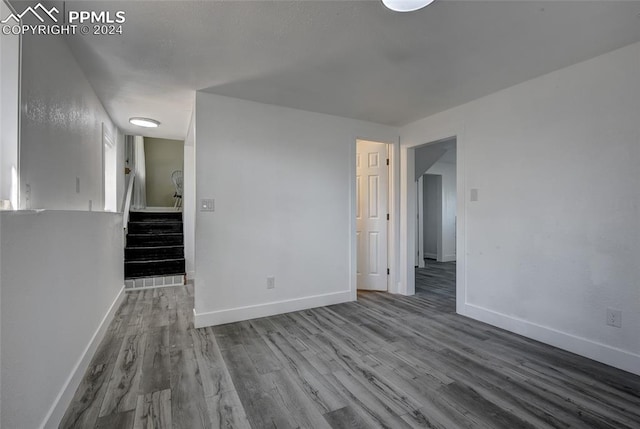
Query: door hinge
{"x": 387, "y": 161}
{"x": 388, "y": 272}
{"x": 387, "y": 216}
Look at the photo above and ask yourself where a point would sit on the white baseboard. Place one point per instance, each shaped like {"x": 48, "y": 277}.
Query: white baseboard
{"x": 448, "y": 258}
{"x": 609, "y": 355}
{"x": 220, "y": 317}
{"x": 60, "y": 405}
{"x": 430, "y": 256}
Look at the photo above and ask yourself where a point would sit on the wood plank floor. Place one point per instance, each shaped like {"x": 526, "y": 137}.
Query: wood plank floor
{"x": 384, "y": 361}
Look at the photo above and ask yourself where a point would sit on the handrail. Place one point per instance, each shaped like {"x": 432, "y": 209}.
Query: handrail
{"x": 127, "y": 201}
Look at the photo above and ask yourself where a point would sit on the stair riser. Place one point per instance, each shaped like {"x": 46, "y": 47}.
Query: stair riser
{"x": 149, "y": 254}
{"x": 153, "y": 227}
{"x": 154, "y": 217}
{"x": 154, "y": 240}
{"x": 151, "y": 269}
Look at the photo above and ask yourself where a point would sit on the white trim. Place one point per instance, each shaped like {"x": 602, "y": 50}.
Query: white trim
{"x": 439, "y": 226}
{"x": 420, "y": 222}
{"x": 62, "y": 401}
{"x": 191, "y": 275}
{"x": 608, "y": 355}
{"x": 433, "y": 256}
{"x": 449, "y": 258}
{"x": 238, "y": 314}
{"x": 394, "y": 215}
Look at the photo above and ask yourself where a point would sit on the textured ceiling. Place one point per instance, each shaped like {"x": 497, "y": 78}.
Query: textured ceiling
{"x": 348, "y": 58}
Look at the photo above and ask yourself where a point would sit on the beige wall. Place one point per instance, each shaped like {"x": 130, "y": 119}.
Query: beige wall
{"x": 163, "y": 157}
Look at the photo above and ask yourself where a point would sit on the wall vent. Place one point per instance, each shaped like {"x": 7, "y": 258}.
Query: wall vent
{"x": 153, "y": 282}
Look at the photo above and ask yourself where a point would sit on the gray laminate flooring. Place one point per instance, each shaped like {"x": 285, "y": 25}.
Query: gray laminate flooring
{"x": 383, "y": 361}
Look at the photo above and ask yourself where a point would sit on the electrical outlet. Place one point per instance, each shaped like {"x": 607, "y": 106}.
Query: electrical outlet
{"x": 614, "y": 317}
{"x": 271, "y": 282}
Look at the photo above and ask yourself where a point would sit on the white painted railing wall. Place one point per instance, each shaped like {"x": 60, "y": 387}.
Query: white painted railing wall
{"x": 62, "y": 279}
{"x": 126, "y": 207}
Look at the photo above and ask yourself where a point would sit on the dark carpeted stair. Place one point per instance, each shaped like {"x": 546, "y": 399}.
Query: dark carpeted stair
{"x": 155, "y": 245}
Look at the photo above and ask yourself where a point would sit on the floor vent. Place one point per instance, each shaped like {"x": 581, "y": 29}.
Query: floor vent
{"x": 153, "y": 282}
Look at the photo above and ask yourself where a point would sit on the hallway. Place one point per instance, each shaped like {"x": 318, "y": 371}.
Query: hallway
{"x": 383, "y": 361}
{"x": 438, "y": 281}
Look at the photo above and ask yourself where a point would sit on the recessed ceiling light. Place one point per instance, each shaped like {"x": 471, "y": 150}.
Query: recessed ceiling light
{"x": 406, "y": 5}
{"x": 144, "y": 122}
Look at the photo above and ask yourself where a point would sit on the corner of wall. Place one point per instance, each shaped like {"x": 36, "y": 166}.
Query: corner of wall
{"x": 59, "y": 407}
{"x": 231, "y": 315}
{"x": 603, "y": 353}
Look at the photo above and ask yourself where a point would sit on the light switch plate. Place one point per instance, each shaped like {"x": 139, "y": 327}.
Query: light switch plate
{"x": 474, "y": 195}
{"x": 207, "y": 205}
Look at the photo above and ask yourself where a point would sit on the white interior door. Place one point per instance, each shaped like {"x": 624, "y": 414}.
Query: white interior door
{"x": 372, "y": 185}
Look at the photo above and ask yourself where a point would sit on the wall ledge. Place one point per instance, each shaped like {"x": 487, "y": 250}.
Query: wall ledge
{"x": 238, "y": 314}
{"x": 585, "y": 347}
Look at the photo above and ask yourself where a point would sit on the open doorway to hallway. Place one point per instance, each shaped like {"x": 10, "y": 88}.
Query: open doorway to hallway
{"x": 154, "y": 252}
{"x": 436, "y": 197}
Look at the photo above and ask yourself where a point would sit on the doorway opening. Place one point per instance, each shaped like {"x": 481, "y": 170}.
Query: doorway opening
{"x": 154, "y": 252}
{"x": 372, "y": 215}
{"x": 164, "y": 159}
{"x": 436, "y": 219}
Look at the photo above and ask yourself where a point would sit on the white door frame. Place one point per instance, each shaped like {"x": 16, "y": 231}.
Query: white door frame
{"x": 420, "y": 223}
{"x": 11, "y": 121}
{"x": 408, "y": 212}
{"x": 107, "y": 140}
{"x": 393, "y": 236}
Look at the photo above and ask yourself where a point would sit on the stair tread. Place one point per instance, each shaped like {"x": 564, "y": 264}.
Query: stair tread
{"x": 148, "y": 261}
{"x": 169, "y": 246}
{"x": 153, "y": 222}
{"x": 150, "y": 276}
{"x": 156, "y": 233}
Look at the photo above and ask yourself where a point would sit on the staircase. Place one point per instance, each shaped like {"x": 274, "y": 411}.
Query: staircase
{"x": 155, "y": 246}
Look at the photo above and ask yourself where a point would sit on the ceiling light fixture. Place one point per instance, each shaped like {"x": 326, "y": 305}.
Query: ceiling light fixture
{"x": 144, "y": 122}
{"x": 406, "y": 5}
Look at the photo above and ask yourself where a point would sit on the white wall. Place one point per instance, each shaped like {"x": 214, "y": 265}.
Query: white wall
{"x": 189, "y": 199}
{"x": 120, "y": 174}
{"x": 61, "y": 129}
{"x": 554, "y": 237}
{"x": 426, "y": 156}
{"x": 432, "y": 196}
{"x": 283, "y": 181}
{"x": 447, "y": 171}
{"x": 9, "y": 105}
{"x": 52, "y": 317}
{"x": 62, "y": 307}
